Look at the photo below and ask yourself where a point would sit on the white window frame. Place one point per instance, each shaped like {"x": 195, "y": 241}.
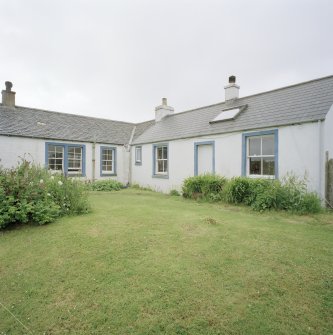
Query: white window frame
{"x": 261, "y": 156}
{"x": 75, "y": 170}
{"x": 113, "y": 161}
{"x": 165, "y": 161}
{"x": 55, "y": 157}
{"x": 138, "y": 155}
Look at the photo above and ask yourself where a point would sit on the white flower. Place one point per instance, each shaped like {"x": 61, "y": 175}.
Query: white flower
{"x": 52, "y": 177}
{"x": 48, "y": 194}
{"x": 41, "y": 181}
{"x": 31, "y": 183}
{"x": 60, "y": 182}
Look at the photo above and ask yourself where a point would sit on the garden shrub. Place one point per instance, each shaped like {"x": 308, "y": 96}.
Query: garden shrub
{"x": 289, "y": 194}
{"x": 106, "y": 185}
{"x": 260, "y": 194}
{"x": 310, "y": 204}
{"x": 237, "y": 190}
{"x": 205, "y": 186}
{"x": 174, "y": 193}
{"x": 264, "y": 194}
{"x": 294, "y": 196}
{"x": 30, "y": 194}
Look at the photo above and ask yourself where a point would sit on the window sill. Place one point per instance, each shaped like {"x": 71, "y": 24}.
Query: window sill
{"x": 108, "y": 174}
{"x": 74, "y": 174}
{"x": 259, "y": 176}
{"x": 161, "y": 176}
{"x": 138, "y": 163}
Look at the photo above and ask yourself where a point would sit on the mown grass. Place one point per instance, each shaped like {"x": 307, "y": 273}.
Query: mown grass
{"x": 147, "y": 263}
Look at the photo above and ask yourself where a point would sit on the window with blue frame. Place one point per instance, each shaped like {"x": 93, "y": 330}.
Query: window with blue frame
{"x": 160, "y": 160}
{"x": 108, "y": 161}
{"x": 260, "y": 154}
{"x": 68, "y": 159}
{"x": 138, "y": 155}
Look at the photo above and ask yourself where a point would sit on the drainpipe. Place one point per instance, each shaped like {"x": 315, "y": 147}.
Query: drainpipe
{"x": 93, "y": 161}
{"x": 130, "y": 157}
{"x": 321, "y": 158}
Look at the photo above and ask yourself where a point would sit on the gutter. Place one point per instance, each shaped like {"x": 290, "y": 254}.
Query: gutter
{"x": 129, "y": 150}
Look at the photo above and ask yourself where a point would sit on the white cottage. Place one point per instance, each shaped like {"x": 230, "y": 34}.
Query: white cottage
{"x": 270, "y": 134}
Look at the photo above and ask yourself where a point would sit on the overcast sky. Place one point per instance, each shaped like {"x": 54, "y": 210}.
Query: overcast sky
{"x": 116, "y": 59}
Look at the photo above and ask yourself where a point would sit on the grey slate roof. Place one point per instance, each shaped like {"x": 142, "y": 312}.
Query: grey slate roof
{"x": 305, "y": 102}
{"x": 142, "y": 127}
{"x": 29, "y": 122}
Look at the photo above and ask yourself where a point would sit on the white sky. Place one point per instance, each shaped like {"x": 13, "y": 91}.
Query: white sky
{"x": 116, "y": 59}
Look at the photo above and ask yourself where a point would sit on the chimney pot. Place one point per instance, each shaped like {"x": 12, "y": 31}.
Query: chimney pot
{"x": 232, "y": 80}
{"x": 9, "y": 86}
{"x": 164, "y": 101}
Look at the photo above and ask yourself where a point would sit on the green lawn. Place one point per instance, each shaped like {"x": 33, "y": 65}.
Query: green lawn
{"x": 147, "y": 263}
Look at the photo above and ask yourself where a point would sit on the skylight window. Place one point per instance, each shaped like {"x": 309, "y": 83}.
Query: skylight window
{"x": 227, "y": 115}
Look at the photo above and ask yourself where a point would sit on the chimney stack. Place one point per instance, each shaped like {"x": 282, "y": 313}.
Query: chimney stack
{"x": 8, "y": 96}
{"x": 163, "y": 110}
{"x": 231, "y": 90}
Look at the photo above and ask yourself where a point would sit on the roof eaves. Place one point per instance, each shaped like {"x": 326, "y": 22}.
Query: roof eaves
{"x": 61, "y": 139}
{"x": 295, "y": 122}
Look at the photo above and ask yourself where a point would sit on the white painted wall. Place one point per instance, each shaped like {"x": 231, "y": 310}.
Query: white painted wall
{"x": 12, "y": 148}
{"x": 328, "y": 133}
{"x": 327, "y": 144}
{"x": 181, "y": 161}
{"x": 33, "y": 150}
{"x": 298, "y": 154}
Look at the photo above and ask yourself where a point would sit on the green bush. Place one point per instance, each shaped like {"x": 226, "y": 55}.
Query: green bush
{"x": 294, "y": 196}
{"x": 30, "y": 194}
{"x": 106, "y": 185}
{"x": 205, "y": 186}
{"x": 237, "y": 190}
{"x": 174, "y": 193}
{"x": 310, "y": 204}
{"x": 260, "y": 194}
{"x": 289, "y": 194}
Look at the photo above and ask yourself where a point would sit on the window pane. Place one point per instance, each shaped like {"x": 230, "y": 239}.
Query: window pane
{"x": 55, "y": 157}
{"x": 165, "y": 166}
{"x": 254, "y": 146}
{"x": 165, "y": 152}
{"x": 159, "y": 153}
{"x": 107, "y": 154}
{"x": 160, "y": 166}
{"x": 59, "y": 149}
{"x": 138, "y": 154}
{"x": 268, "y": 166}
{"x": 268, "y": 145}
{"x": 255, "y": 165}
